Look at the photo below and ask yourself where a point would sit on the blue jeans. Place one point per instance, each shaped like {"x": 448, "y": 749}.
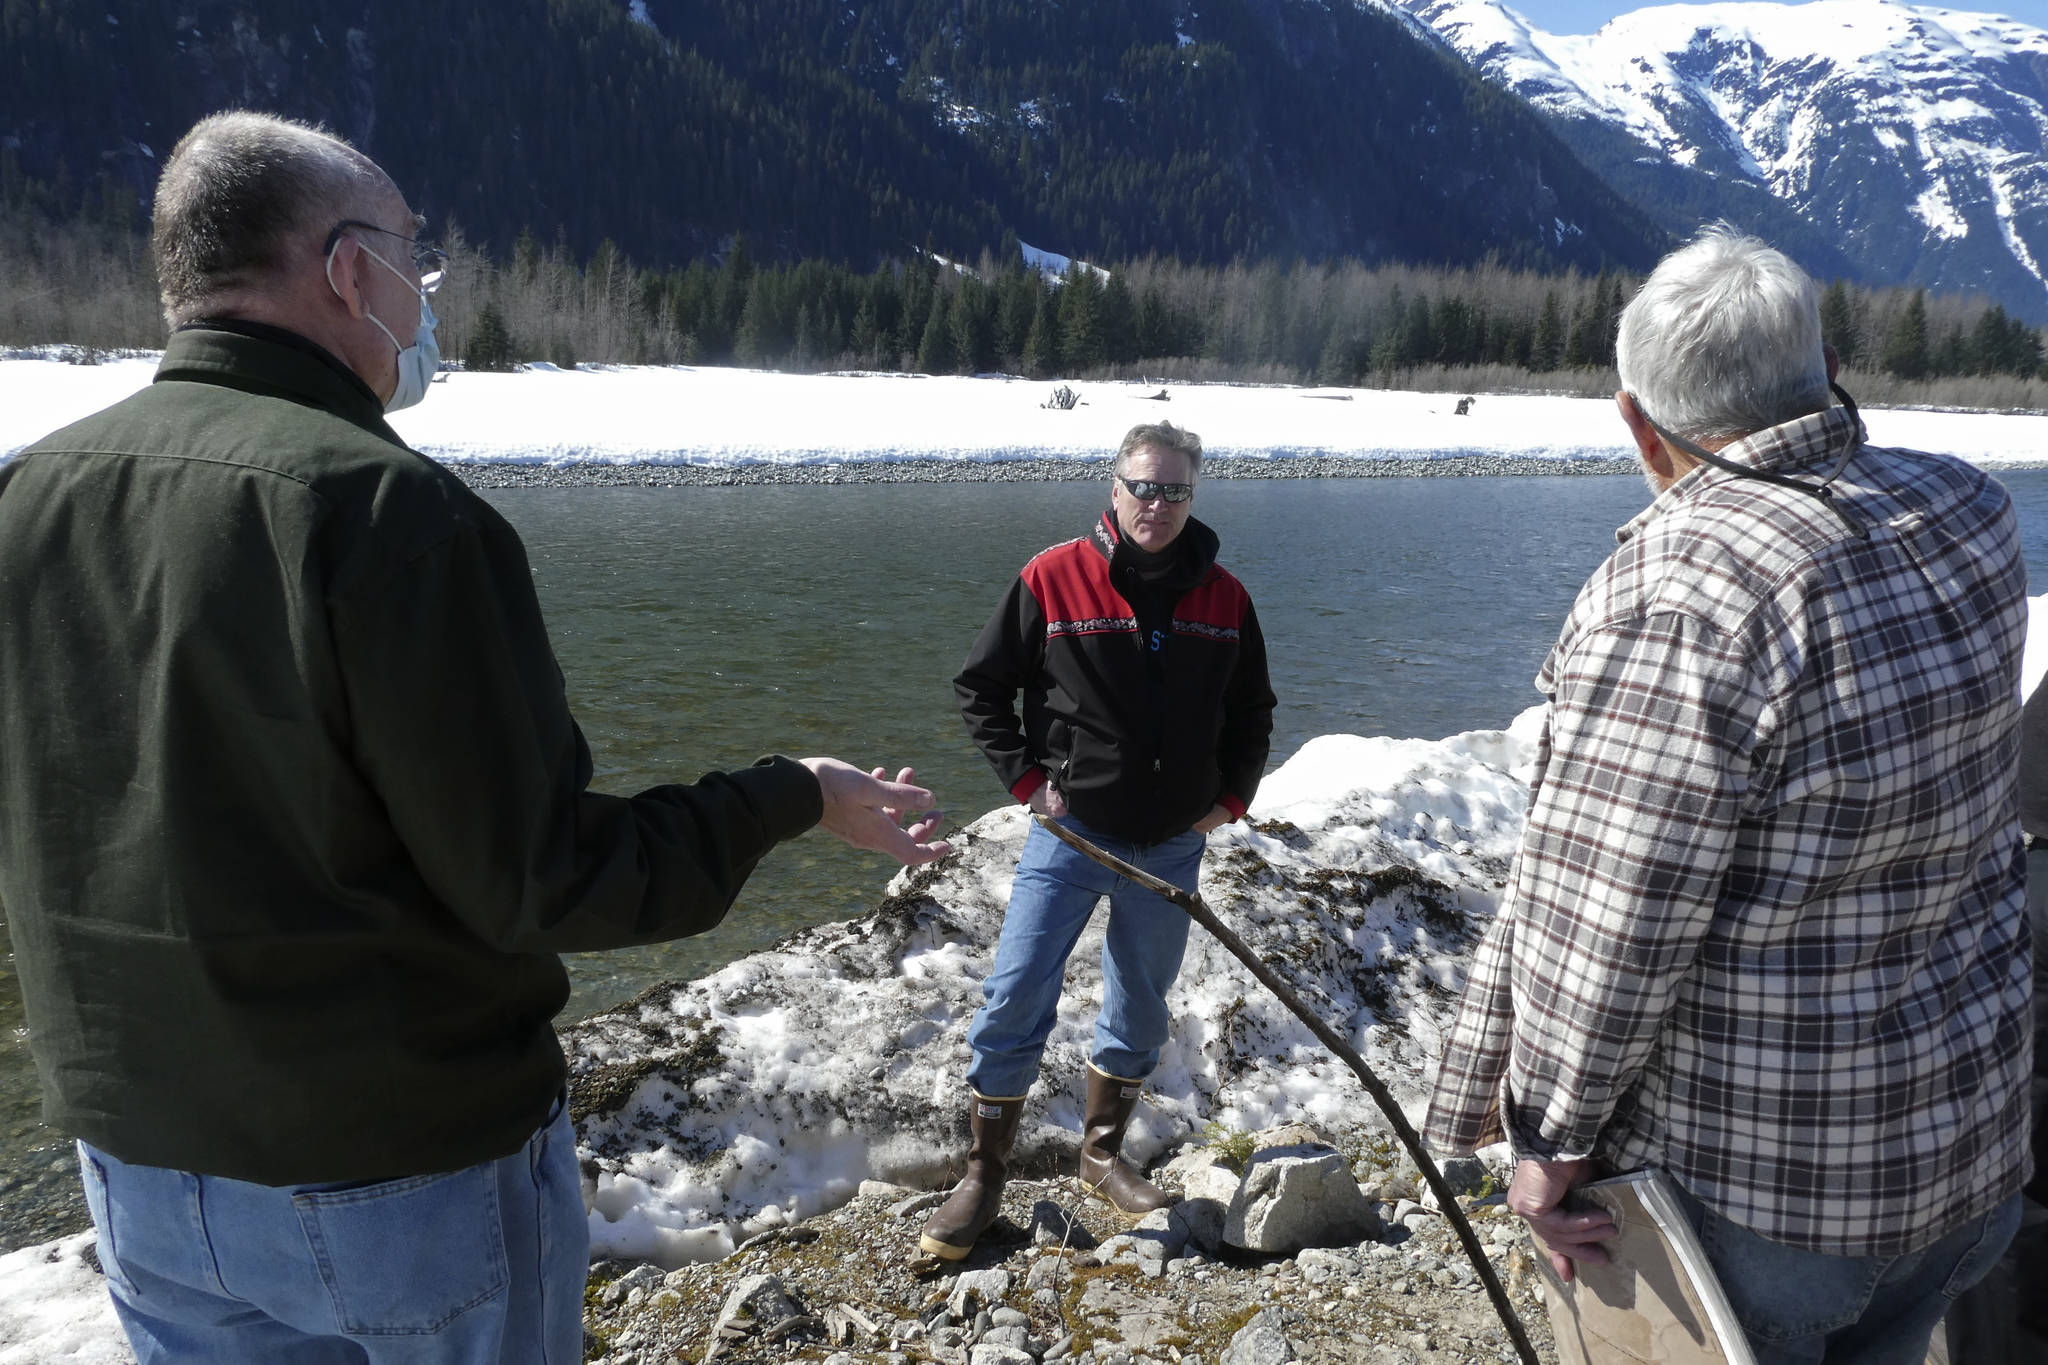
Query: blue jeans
{"x": 1050, "y": 904}
{"x": 480, "y": 1265}
{"x": 1807, "y": 1307}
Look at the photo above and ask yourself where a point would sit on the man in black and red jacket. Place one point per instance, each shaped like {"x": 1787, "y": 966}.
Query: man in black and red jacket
{"x": 1145, "y": 722}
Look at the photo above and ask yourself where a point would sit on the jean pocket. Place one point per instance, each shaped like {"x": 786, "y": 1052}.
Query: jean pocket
{"x": 407, "y": 1257}
{"x": 93, "y": 1176}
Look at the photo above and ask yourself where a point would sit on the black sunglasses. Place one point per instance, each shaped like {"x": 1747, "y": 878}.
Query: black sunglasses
{"x": 1144, "y": 490}
{"x": 429, "y": 260}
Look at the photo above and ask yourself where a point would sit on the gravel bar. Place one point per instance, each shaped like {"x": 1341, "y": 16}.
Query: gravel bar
{"x": 492, "y": 474}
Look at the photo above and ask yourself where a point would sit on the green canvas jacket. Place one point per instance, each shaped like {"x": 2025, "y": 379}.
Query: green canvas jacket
{"x": 293, "y": 814}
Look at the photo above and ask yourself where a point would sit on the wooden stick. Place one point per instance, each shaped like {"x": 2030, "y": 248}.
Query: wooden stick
{"x": 1447, "y": 1202}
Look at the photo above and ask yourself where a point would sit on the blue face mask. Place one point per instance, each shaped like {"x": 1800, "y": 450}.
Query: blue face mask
{"x": 417, "y": 362}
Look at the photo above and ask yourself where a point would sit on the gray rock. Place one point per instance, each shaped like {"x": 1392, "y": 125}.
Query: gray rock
{"x": 1043, "y": 1273}
{"x": 1017, "y": 1336}
{"x": 1295, "y": 1197}
{"x": 992, "y": 1353}
{"x": 1009, "y": 1317}
{"x": 1060, "y": 1349}
{"x": 760, "y": 1306}
{"x": 1203, "y": 1174}
{"x": 839, "y": 1358}
{"x": 1199, "y": 1222}
{"x": 986, "y": 1287}
{"x": 1053, "y": 1226}
{"x": 640, "y": 1277}
{"x": 883, "y": 1189}
{"x": 1260, "y": 1341}
{"x": 916, "y": 1203}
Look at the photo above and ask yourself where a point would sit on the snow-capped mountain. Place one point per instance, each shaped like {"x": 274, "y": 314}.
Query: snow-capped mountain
{"x": 1911, "y": 137}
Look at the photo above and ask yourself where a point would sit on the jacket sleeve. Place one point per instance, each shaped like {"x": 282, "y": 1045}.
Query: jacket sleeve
{"x": 460, "y": 723}
{"x": 1008, "y": 656}
{"x": 1248, "y": 703}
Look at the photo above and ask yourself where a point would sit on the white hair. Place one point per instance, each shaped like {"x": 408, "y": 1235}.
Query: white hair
{"x": 238, "y": 191}
{"x": 1724, "y": 339}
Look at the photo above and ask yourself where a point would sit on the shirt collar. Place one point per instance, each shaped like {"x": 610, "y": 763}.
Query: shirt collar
{"x": 1813, "y": 440}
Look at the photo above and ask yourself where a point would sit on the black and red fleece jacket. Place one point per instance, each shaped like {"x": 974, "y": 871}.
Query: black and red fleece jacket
{"x": 1143, "y": 715}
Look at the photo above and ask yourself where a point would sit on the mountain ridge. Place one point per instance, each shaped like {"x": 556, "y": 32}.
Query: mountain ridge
{"x": 1247, "y": 129}
{"x": 1907, "y": 139}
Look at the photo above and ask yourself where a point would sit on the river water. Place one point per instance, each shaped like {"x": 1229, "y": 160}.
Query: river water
{"x": 699, "y": 628}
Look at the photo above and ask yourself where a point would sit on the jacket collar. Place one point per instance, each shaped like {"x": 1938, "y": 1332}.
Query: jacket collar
{"x": 1809, "y": 444}
{"x": 1199, "y": 554}
{"x": 259, "y": 358}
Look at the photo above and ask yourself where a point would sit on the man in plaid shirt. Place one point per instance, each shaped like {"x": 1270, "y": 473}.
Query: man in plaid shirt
{"x": 1767, "y": 927}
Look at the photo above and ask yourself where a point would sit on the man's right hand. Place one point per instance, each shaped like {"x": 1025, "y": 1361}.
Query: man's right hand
{"x": 1048, "y": 802}
{"x": 1537, "y": 1193}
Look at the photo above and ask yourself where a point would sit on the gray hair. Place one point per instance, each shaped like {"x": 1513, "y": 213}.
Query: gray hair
{"x": 1724, "y": 339}
{"x": 1162, "y": 436}
{"x": 235, "y": 193}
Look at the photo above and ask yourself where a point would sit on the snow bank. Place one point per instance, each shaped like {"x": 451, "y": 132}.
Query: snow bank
{"x": 767, "y": 1092}
{"x": 720, "y": 417}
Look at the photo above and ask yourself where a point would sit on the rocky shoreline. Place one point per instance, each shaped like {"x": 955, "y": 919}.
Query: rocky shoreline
{"x": 497, "y": 475}
{"x": 1064, "y": 1279}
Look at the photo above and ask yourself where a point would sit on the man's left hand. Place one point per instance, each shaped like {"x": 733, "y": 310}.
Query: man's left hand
{"x": 1537, "y": 1191}
{"x": 866, "y": 810}
{"x": 1219, "y": 815}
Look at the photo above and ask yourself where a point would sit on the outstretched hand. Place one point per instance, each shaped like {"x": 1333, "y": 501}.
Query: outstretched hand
{"x": 867, "y": 811}
{"x": 1537, "y": 1193}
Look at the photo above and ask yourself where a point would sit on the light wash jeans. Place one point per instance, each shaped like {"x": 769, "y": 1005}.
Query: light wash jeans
{"x": 466, "y": 1267}
{"x": 1810, "y": 1308}
{"x": 1051, "y": 901}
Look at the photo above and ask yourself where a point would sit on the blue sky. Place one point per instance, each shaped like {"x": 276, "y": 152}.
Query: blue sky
{"x": 1585, "y": 16}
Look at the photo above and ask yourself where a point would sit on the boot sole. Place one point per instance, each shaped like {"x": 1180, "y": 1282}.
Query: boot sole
{"x": 945, "y": 1251}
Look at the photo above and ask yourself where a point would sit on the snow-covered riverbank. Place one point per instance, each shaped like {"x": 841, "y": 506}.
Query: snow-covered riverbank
{"x": 726, "y": 419}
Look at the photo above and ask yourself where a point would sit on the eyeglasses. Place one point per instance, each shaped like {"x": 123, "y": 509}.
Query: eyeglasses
{"x": 427, "y": 259}
{"x": 1144, "y": 490}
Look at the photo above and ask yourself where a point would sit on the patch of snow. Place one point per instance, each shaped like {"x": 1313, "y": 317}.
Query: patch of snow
{"x": 1054, "y": 266}
{"x": 1937, "y": 210}
{"x": 54, "y": 1308}
{"x": 637, "y": 11}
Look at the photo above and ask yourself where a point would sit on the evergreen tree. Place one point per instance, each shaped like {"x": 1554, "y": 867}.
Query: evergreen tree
{"x": 1150, "y": 332}
{"x": 935, "y": 350}
{"x": 1905, "y": 350}
{"x": 864, "y": 341}
{"x": 1080, "y": 335}
{"x": 1117, "y": 322}
{"x": 1838, "y": 322}
{"x": 1546, "y": 352}
{"x": 490, "y": 346}
{"x": 753, "y": 341}
{"x": 1042, "y": 359}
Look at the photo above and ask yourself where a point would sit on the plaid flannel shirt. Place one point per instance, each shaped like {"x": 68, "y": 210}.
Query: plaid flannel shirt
{"x": 1767, "y": 926}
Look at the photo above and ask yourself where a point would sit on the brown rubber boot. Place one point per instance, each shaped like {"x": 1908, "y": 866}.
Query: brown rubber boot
{"x": 1110, "y": 1102}
{"x": 951, "y": 1231}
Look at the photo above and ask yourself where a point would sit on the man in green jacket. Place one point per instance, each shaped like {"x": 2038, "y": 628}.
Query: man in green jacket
{"x": 294, "y": 818}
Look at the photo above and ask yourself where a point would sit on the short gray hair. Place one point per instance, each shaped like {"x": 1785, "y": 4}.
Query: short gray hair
{"x": 1163, "y": 436}
{"x": 1724, "y": 339}
{"x": 236, "y": 191}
